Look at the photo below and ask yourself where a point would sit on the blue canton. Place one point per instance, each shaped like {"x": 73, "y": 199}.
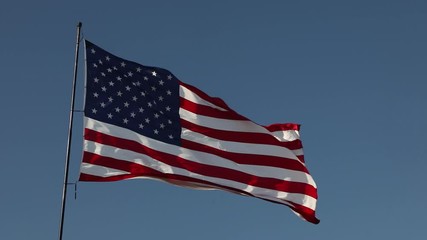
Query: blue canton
{"x": 129, "y": 95}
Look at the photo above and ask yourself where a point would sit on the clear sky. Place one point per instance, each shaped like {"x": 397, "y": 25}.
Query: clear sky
{"x": 353, "y": 73}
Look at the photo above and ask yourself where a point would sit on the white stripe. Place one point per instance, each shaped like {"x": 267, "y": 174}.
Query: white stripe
{"x": 149, "y": 162}
{"x": 222, "y": 124}
{"x": 231, "y": 125}
{"x": 298, "y": 152}
{"x": 286, "y": 135}
{"x": 201, "y": 157}
{"x": 100, "y": 171}
{"x": 237, "y": 147}
{"x": 193, "y": 97}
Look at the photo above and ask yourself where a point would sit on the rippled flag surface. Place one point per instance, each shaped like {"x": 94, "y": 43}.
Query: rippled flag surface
{"x": 142, "y": 122}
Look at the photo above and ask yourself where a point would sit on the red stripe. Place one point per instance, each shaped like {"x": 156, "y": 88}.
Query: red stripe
{"x": 230, "y": 114}
{"x": 240, "y": 158}
{"x": 146, "y": 172}
{"x": 244, "y": 137}
{"x": 307, "y": 213}
{"x": 216, "y": 101}
{"x": 249, "y": 159}
{"x": 202, "y": 169}
{"x": 283, "y": 127}
{"x": 139, "y": 170}
{"x": 209, "y": 111}
{"x": 136, "y": 170}
{"x": 301, "y": 158}
{"x": 92, "y": 178}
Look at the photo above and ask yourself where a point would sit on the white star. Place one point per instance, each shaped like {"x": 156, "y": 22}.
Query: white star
{"x": 149, "y": 104}
{"x": 104, "y": 89}
{"x": 96, "y": 80}
{"x": 162, "y": 125}
{"x": 109, "y": 70}
{"x": 146, "y": 78}
{"x": 126, "y": 104}
{"x": 143, "y": 94}
{"x": 132, "y": 114}
{"x": 168, "y": 92}
{"x": 119, "y": 93}
{"x": 93, "y": 51}
{"x": 107, "y": 58}
{"x": 125, "y": 121}
{"x": 138, "y": 69}
{"x": 123, "y": 64}
{"x": 169, "y": 77}
{"x": 156, "y": 131}
{"x": 115, "y": 68}
{"x": 156, "y": 115}
{"x": 141, "y": 126}
{"x": 103, "y": 105}
{"x": 169, "y": 121}
{"x": 110, "y": 99}
{"x": 141, "y": 110}
{"x": 154, "y": 73}
{"x": 94, "y": 65}
{"x": 100, "y": 62}
{"x": 170, "y": 137}
{"x": 147, "y": 120}
{"x": 130, "y": 74}
{"x": 103, "y": 74}
{"x": 161, "y": 98}
{"x": 161, "y": 82}
{"x": 111, "y": 83}
{"x": 94, "y": 111}
{"x": 118, "y": 109}
{"x": 119, "y": 78}
{"x": 168, "y": 108}
{"x": 153, "y": 88}
{"x": 128, "y": 88}
{"x": 138, "y": 83}
{"x": 95, "y": 95}
{"x": 110, "y": 116}
{"x": 134, "y": 98}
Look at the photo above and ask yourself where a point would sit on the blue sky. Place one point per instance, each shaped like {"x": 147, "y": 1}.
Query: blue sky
{"x": 353, "y": 73}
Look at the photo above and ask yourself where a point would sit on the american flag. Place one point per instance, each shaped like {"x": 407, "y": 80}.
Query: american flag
{"x": 142, "y": 122}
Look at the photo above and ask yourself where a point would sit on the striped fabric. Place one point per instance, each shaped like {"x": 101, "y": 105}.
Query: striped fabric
{"x": 142, "y": 122}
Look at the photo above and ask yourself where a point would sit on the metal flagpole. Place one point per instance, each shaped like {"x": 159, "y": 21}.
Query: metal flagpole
{"x": 70, "y": 131}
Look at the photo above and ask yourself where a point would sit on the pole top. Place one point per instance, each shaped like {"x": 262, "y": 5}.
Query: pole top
{"x": 79, "y": 25}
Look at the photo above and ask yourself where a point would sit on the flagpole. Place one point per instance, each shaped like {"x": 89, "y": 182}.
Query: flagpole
{"x": 70, "y": 131}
